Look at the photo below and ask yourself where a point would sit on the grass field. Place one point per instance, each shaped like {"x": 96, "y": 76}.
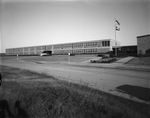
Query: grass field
{"x": 44, "y": 96}
{"x": 140, "y": 61}
{"x": 58, "y": 58}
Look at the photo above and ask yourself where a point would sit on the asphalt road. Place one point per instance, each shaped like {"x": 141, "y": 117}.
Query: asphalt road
{"x": 101, "y": 78}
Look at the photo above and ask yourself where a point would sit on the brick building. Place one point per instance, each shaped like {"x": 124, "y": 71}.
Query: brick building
{"x": 143, "y": 45}
{"x": 130, "y": 50}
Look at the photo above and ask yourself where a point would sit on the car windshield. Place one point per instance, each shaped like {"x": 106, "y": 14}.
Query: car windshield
{"x": 46, "y": 52}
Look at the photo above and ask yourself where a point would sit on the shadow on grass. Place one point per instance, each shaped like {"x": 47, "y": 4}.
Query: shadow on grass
{"x": 136, "y": 91}
{"x": 4, "y": 108}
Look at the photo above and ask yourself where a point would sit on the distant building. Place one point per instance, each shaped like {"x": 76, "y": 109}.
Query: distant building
{"x": 84, "y": 47}
{"x": 143, "y": 45}
{"x": 2, "y": 54}
{"x": 130, "y": 50}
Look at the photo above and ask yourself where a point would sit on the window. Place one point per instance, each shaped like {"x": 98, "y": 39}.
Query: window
{"x": 77, "y": 45}
{"x": 108, "y": 43}
{"x": 49, "y": 47}
{"x": 32, "y": 48}
{"x": 38, "y": 48}
{"x": 105, "y": 43}
{"x": 57, "y": 46}
{"x": 94, "y": 44}
{"x": 43, "y": 47}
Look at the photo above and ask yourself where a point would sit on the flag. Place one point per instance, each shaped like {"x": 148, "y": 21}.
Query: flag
{"x": 117, "y": 28}
{"x": 116, "y": 25}
{"x": 117, "y": 22}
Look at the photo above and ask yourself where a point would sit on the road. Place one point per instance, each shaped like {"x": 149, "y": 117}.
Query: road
{"x": 101, "y": 78}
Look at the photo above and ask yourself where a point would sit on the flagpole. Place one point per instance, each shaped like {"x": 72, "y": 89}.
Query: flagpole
{"x": 115, "y": 40}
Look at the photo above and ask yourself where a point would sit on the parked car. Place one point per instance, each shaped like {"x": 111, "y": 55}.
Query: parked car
{"x": 46, "y": 53}
{"x": 71, "y": 54}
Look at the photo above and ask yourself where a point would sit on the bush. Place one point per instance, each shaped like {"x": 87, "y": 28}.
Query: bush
{"x": 104, "y": 60}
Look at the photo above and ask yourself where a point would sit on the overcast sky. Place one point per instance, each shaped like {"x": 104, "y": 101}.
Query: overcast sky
{"x": 41, "y": 22}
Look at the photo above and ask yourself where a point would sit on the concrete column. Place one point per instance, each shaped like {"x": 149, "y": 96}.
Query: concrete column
{"x": 52, "y": 49}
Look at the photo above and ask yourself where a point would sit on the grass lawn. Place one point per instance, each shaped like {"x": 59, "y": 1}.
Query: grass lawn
{"x": 44, "y": 96}
{"x": 59, "y": 58}
{"x": 140, "y": 61}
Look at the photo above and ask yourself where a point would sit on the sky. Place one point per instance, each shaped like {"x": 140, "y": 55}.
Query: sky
{"x": 44, "y": 22}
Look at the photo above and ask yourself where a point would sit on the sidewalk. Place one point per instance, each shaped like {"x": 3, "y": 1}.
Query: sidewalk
{"x": 120, "y": 64}
{"x": 124, "y": 60}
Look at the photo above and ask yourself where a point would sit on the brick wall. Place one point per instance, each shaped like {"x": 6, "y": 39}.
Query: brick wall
{"x": 143, "y": 44}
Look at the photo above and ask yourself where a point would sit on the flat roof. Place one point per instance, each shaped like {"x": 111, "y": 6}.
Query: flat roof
{"x": 63, "y": 43}
{"x": 129, "y": 46}
{"x": 125, "y": 46}
{"x": 143, "y": 36}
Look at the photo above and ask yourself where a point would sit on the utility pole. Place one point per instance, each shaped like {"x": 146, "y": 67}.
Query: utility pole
{"x": 116, "y": 29}
{"x": 115, "y": 40}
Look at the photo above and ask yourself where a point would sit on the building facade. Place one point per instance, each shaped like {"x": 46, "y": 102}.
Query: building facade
{"x": 85, "y": 47}
{"x": 143, "y": 45}
{"x": 130, "y": 50}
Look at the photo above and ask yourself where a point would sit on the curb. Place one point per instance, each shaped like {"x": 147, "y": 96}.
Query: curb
{"x": 115, "y": 67}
